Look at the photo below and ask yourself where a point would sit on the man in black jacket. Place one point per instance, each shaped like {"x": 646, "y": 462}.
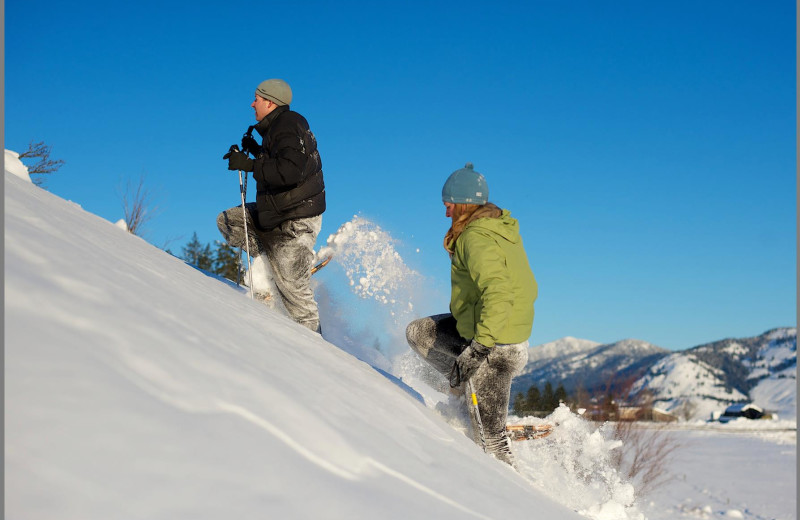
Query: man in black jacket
{"x": 286, "y": 218}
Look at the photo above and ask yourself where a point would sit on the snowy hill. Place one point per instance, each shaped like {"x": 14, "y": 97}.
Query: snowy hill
{"x": 707, "y": 378}
{"x": 692, "y": 384}
{"x": 138, "y": 387}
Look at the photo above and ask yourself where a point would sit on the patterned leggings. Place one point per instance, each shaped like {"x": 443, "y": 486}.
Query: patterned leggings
{"x": 436, "y": 339}
{"x": 289, "y": 249}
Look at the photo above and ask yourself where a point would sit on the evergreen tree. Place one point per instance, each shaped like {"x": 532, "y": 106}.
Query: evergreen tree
{"x": 197, "y": 255}
{"x": 560, "y": 395}
{"x": 533, "y": 399}
{"x": 610, "y": 407}
{"x": 227, "y": 262}
{"x": 206, "y": 260}
{"x": 520, "y": 406}
{"x": 549, "y": 402}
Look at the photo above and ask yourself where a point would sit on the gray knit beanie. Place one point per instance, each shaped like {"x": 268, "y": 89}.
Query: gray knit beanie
{"x": 275, "y": 90}
{"x": 466, "y": 186}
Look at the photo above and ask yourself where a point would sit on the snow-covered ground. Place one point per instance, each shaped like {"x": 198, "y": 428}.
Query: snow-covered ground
{"x": 739, "y": 472}
{"x": 139, "y": 387}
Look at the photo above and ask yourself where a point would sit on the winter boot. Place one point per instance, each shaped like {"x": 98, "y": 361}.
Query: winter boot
{"x": 500, "y": 447}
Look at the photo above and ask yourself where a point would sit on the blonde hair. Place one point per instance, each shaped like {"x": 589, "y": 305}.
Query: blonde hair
{"x": 462, "y": 215}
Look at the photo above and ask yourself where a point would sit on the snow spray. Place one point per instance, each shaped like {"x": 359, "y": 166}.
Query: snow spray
{"x": 374, "y": 268}
{"x": 386, "y": 290}
{"x": 575, "y": 465}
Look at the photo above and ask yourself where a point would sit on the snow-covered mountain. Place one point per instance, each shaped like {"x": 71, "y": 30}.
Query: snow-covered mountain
{"x": 699, "y": 381}
{"x": 692, "y": 383}
{"x": 590, "y": 366}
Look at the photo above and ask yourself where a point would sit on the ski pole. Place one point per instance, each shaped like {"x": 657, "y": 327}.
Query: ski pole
{"x": 473, "y": 401}
{"x": 242, "y": 190}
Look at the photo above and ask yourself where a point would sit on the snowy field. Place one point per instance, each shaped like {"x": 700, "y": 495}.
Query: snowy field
{"x": 139, "y": 387}
{"x": 739, "y": 472}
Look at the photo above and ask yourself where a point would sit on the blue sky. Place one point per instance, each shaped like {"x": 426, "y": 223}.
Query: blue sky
{"x": 647, "y": 148}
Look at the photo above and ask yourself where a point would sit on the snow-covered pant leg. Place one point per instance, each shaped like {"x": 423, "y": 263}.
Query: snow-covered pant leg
{"x": 290, "y": 250}
{"x": 231, "y": 224}
{"x": 436, "y": 340}
{"x": 492, "y": 382}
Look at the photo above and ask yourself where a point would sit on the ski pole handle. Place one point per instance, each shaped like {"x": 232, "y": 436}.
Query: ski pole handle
{"x": 232, "y": 149}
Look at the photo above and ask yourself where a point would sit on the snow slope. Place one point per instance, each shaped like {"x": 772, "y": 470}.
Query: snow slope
{"x": 138, "y": 387}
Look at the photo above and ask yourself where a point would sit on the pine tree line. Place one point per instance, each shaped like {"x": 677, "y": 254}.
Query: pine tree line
{"x": 536, "y": 402}
{"x": 223, "y": 260}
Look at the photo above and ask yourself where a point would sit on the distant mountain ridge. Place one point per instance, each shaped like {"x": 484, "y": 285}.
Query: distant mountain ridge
{"x": 692, "y": 383}
{"x": 588, "y": 365}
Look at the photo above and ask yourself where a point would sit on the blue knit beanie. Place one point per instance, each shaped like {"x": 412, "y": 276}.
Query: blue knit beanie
{"x": 466, "y": 186}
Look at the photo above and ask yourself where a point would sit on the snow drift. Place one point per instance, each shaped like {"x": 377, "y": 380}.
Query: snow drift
{"x": 138, "y": 387}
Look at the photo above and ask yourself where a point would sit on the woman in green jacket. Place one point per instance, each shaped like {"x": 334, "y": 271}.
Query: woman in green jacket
{"x": 484, "y": 338}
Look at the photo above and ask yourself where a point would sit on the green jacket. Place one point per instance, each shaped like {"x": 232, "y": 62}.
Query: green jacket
{"x": 492, "y": 285}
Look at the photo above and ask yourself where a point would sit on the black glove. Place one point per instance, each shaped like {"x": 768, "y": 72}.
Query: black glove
{"x": 238, "y": 161}
{"x": 251, "y": 146}
{"x": 467, "y": 363}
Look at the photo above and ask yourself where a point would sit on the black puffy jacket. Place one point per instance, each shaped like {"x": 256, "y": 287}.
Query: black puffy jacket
{"x": 288, "y": 172}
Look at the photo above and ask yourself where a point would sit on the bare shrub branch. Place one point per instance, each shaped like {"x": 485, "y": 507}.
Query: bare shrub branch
{"x": 136, "y": 205}
{"x": 45, "y": 165}
{"x": 644, "y": 454}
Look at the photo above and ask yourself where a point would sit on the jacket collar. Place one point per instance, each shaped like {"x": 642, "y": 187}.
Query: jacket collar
{"x": 261, "y": 126}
